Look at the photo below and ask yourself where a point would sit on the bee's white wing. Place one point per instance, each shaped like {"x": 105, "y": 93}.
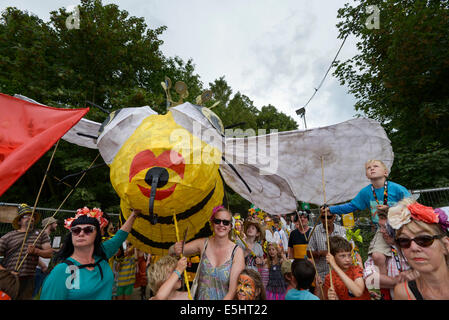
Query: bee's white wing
{"x": 83, "y": 134}
{"x": 296, "y": 157}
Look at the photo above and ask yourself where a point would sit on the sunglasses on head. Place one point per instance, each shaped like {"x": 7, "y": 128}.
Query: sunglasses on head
{"x": 87, "y": 230}
{"x": 329, "y": 217}
{"x": 422, "y": 241}
{"x": 218, "y": 221}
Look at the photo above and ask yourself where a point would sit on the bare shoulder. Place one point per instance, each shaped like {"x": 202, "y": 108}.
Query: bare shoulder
{"x": 400, "y": 291}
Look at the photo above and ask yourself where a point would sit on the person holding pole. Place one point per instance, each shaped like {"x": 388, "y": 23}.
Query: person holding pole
{"x": 221, "y": 259}
{"x": 317, "y": 247}
{"x": 13, "y": 243}
{"x": 347, "y": 281}
{"x": 84, "y": 272}
{"x": 377, "y": 197}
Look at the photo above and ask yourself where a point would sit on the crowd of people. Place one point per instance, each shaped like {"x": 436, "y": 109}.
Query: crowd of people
{"x": 257, "y": 257}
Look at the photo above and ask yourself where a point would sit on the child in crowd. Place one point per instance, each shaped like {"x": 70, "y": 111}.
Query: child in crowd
{"x": 125, "y": 272}
{"x": 347, "y": 279}
{"x": 276, "y": 287}
{"x": 165, "y": 278}
{"x": 303, "y": 276}
{"x": 253, "y": 251}
{"x": 286, "y": 269}
{"x": 378, "y": 197}
{"x": 250, "y": 286}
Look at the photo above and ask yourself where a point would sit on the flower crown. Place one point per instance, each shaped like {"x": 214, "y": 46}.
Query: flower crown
{"x": 408, "y": 209}
{"x": 91, "y": 213}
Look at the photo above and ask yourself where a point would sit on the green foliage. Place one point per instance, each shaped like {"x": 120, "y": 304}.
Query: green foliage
{"x": 113, "y": 60}
{"x": 399, "y": 78}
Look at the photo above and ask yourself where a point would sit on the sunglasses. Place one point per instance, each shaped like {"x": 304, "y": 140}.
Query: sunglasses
{"x": 87, "y": 230}
{"x": 328, "y": 217}
{"x": 422, "y": 241}
{"x": 218, "y": 221}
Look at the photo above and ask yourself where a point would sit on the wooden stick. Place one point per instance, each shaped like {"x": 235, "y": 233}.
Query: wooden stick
{"x": 311, "y": 255}
{"x": 57, "y": 210}
{"x": 186, "y": 279}
{"x": 325, "y": 218}
{"x": 35, "y": 202}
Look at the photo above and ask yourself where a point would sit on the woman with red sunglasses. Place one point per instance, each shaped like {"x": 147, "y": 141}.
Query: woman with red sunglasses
{"x": 421, "y": 234}
{"x": 83, "y": 272}
{"x": 221, "y": 260}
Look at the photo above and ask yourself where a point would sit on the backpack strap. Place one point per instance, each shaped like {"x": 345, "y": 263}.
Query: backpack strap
{"x": 89, "y": 265}
{"x": 414, "y": 288}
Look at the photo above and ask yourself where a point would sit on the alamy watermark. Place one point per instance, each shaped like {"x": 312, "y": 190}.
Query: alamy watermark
{"x": 239, "y": 147}
{"x": 73, "y": 20}
{"x": 373, "y": 20}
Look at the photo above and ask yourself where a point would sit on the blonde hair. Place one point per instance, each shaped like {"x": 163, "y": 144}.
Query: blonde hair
{"x": 379, "y": 161}
{"x": 279, "y": 253}
{"x": 417, "y": 226}
{"x": 159, "y": 272}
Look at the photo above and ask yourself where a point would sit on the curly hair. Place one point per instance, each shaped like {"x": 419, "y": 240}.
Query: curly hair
{"x": 159, "y": 272}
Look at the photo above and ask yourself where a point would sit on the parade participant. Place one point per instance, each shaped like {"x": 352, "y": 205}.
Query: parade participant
{"x": 303, "y": 276}
{"x": 378, "y": 197}
{"x": 50, "y": 224}
{"x": 398, "y": 269}
{"x": 165, "y": 278}
{"x": 318, "y": 242}
{"x": 84, "y": 256}
{"x": 126, "y": 272}
{"x": 221, "y": 259}
{"x": 286, "y": 270}
{"x": 297, "y": 242}
{"x": 347, "y": 279}
{"x": 250, "y": 286}
{"x": 276, "y": 286}
{"x": 421, "y": 235}
{"x": 11, "y": 248}
{"x": 141, "y": 273}
{"x": 254, "y": 252}
{"x": 270, "y": 231}
{"x": 282, "y": 234}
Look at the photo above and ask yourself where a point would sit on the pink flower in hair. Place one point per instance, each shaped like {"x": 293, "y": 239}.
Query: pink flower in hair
{"x": 442, "y": 218}
{"x": 214, "y": 211}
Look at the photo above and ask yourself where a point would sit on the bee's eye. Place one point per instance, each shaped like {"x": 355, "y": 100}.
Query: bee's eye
{"x": 213, "y": 119}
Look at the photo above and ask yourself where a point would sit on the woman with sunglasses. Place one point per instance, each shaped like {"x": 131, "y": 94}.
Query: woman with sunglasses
{"x": 421, "y": 234}
{"x": 221, "y": 259}
{"x": 83, "y": 272}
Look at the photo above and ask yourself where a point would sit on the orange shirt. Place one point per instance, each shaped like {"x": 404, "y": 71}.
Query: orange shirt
{"x": 341, "y": 290}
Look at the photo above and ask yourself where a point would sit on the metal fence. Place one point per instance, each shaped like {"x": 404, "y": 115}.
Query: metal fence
{"x": 436, "y": 198}
{"x": 48, "y": 212}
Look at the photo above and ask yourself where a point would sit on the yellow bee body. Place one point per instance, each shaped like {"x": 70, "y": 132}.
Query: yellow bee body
{"x": 193, "y": 189}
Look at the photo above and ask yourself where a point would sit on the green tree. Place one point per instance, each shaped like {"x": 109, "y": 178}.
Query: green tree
{"x": 399, "y": 78}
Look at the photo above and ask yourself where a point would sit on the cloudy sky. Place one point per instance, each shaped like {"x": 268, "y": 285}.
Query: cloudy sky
{"x": 274, "y": 51}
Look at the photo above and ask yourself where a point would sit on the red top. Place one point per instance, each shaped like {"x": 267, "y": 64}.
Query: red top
{"x": 341, "y": 290}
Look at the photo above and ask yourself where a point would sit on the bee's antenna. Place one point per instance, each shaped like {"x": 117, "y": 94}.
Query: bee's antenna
{"x": 96, "y": 105}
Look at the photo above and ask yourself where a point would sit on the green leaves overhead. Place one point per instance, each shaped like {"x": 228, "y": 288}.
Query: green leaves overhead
{"x": 114, "y": 60}
{"x": 399, "y": 78}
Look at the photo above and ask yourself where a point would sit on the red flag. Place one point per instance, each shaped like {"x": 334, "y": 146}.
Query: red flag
{"x": 27, "y": 131}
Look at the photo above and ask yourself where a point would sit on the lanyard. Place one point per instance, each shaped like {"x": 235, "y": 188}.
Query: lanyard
{"x": 385, "y": 193}
{"x": 396, "y": 258}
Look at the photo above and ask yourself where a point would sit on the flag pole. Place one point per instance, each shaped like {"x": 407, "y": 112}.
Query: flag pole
{"x": 185, "y": 271}
{"x": 57, "y": 210}
{"x": 325, "y": 218}
{"x": 35, "y": 203}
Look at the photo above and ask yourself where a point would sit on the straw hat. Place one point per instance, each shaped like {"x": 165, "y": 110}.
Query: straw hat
{"x": 22, "y": 210}
{"x": 248, "y": 222}
{"x": 48, "y": 221}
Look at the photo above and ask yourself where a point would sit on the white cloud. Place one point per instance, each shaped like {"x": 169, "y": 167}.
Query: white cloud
{"x": 275, "y": 52}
